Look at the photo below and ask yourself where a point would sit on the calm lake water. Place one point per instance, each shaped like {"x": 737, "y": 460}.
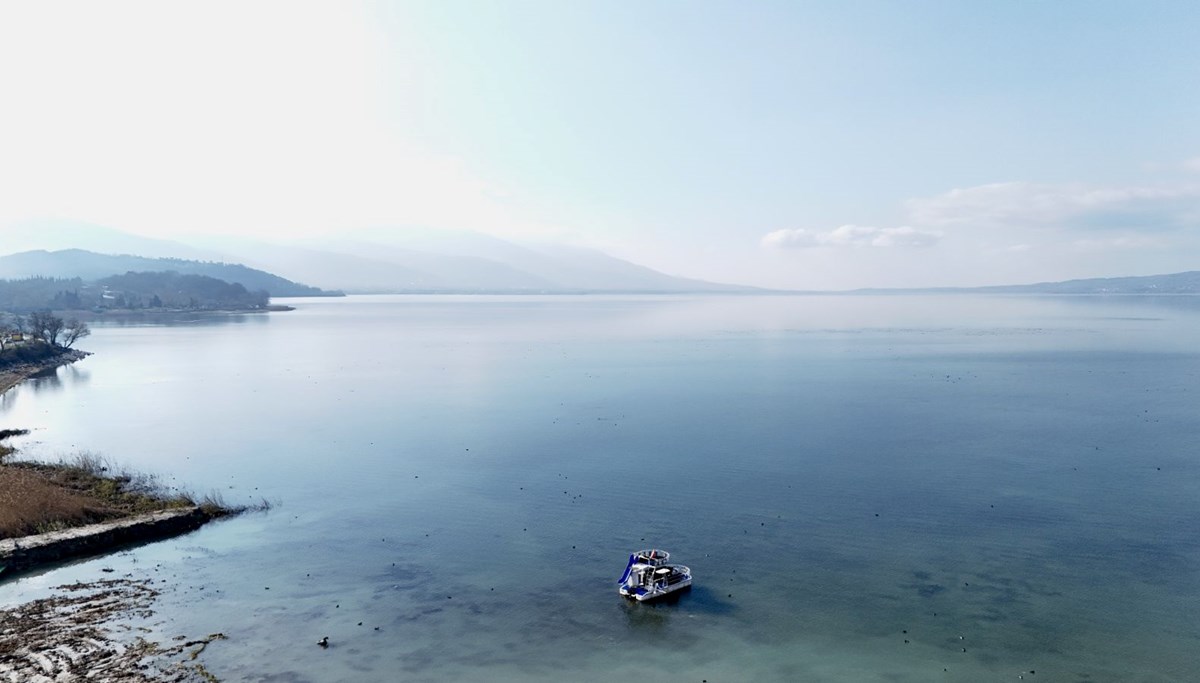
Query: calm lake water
{"x": 863, "y": 486}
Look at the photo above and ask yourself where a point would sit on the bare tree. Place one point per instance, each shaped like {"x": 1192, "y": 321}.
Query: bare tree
{"x": 46, "y": 326}
{"x": 76, "y": 330}
{"x": 36, "y": 324}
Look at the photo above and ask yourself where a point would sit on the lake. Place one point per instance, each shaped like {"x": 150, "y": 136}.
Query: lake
{"x": 867, "y": 488}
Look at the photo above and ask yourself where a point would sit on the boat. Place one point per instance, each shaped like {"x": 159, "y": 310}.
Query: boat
{"x": 649, "y": 576}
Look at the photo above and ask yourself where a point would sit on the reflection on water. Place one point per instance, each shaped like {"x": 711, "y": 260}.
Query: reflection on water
{"x": 54, "y": 379}
{"x": 50, "y": 380}
{"x": 866, "y": 488}
{"x": 169, "y": 318}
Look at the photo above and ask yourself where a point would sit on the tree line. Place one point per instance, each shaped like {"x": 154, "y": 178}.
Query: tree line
{"x": 42, "y": 326}
{"x": 134, "y": 291}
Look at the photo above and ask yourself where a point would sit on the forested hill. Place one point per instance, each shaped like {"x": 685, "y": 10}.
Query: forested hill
{"x": 131, "y": 291}
{"x": 90, "y": 266}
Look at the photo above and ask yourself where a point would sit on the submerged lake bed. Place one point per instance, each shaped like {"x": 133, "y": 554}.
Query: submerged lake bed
{"x": 867, "y": 488}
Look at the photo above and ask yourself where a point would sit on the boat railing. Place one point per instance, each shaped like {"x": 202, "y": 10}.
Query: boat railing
{"x": 653, "y": 556}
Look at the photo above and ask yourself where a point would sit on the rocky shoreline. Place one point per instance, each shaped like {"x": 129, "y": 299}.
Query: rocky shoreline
{"x": 12, "y": 375}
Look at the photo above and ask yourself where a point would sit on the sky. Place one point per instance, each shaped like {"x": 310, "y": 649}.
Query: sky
{"x": 809, "y": 145}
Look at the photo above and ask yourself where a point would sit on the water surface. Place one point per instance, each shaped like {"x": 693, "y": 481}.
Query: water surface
{"x": 864, "y": 486}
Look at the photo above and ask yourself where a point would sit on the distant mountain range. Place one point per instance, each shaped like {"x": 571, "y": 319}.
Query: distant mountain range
{"x": 455, "y": 262}
{"x": 1172, "y": 283}
{"x": 415, "y": 262}
{"x": 89, "y": 266}
{"x": 59, "y": 235}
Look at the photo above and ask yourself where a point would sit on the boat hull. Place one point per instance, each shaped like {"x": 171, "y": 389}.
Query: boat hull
{"x": 645, "y": 596}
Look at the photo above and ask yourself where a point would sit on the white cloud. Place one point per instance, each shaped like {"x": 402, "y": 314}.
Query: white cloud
{"x": 851, "y": 236}
{"x": 1192, "y": 164}
{"x": 1073, "y": 205}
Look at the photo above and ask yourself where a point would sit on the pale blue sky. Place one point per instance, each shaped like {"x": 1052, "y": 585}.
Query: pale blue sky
{"x": 787, "y": 144}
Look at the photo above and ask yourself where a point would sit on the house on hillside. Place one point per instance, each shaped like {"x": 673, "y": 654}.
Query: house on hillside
{"x": 11, "y": 339}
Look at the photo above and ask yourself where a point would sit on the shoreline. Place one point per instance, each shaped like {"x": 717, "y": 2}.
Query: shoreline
{"x": 52, "y": 512}
{"x": 24, "y": 553}
{"x": 13, "y": 375}
{"x": 80, "y": 631}
{"x": 172, "y": 315}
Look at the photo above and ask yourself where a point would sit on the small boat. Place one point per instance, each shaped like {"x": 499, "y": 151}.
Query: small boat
{"x": 648, "y": 576}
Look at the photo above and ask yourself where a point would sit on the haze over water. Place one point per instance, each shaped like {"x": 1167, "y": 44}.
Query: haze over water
{"x": 864, "y": 487}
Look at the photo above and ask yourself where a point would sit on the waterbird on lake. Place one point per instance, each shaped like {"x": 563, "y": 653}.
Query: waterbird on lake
{"x": 324, "y": 641}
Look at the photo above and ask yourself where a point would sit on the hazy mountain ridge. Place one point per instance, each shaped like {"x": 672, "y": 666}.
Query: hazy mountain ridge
{"x": 383, "y": 261}
{"x": 1187, "y": 282}
{"x": 435, "y": 261}
{"x": 428, "y": 261}
{"x": 505, "y": 266}
{"x": 376, "y": 269}
{"x": 60, "y": 235}
{"x": 88, "y": 265}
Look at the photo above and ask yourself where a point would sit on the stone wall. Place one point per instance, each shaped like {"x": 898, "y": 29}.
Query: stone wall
{"x": 29, "y": 551}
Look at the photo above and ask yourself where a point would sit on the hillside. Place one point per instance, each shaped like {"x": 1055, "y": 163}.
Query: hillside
{"x": 52, "y": 234}
{"x": 131, "y": 291}
{"x": 382, "y": 260}
{"x": 457, "y": 262}
{"x": 1170, "y": 283}
{"x": 89, "y": 266}
{"x": 1173, "y": 283}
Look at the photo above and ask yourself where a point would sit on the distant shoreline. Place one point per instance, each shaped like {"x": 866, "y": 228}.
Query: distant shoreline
{"x": 166, "y": 315}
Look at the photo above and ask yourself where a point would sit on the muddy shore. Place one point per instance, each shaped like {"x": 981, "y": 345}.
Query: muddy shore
{"x": 84, "y": 632}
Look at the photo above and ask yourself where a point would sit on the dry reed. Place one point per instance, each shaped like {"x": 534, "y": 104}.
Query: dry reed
{"x": 31, "y": 504}
{"x": 83, "y": 489}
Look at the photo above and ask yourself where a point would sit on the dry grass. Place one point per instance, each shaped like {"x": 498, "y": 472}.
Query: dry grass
{"x": 31, "y": 504}
{"x": 85, "y": 489}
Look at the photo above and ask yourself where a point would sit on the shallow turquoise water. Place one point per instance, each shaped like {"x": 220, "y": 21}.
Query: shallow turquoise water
{"x": 1016, "y": 477}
